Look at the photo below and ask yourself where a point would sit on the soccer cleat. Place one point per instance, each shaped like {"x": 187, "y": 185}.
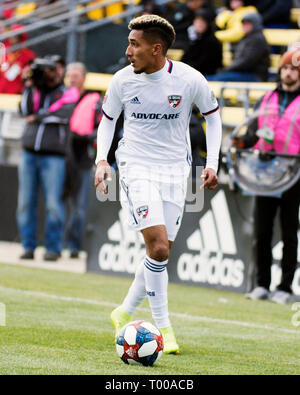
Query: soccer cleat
{"x": 281, "y": 297}
{"x": 51, "y": 256}
{"x": 27, "y": 255}
{"x": 258, "y": 293}
{"x": 170, "y": 344}
{"x": 74, "y": 254}
{"x": 119, "y": 318}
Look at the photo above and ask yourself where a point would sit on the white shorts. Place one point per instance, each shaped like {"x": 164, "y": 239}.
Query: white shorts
{"x": 150, "y": 203}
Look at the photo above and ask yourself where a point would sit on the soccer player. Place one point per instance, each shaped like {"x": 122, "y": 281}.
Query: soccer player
{"x": 153, "y": 157}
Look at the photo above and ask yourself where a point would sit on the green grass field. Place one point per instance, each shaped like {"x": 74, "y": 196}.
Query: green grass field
{"x": 58, "y": 323}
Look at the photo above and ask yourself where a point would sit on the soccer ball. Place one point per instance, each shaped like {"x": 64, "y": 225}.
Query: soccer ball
{"x": 139, "y": 343}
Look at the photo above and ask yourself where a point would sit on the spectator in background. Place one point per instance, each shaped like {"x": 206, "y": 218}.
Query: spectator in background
{"x": 150, "y": 7}
{"x": 275, "y": 13}
{"x": 15, "y": 62}
{"x": 251, "y": 57}
{"x": 60, "y": 65}
{"x": 2, "y": 27}
{"x": 80, "y": 156}
{"x": 3, "y": 44}
{"x": 282, "y": 106}
{"x": 204, "y": 52}
{"x": 229, "y": 21}
{"x": 8, "y": 12}
{"x": 183, "y": 17}
{"x": 47, "y": 108}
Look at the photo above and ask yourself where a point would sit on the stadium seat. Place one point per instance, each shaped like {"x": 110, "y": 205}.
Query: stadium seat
{"x": 131, "y": 2}
{"x": 282, "y": 37}
{"x": 9, "y": 102}
{"x": 274, "y": 60}
{"x": 233, "y": 116}
{"x": 24, "y": 9}
{"x": 97, "y": 81}
{"x": 235, "y": 93}
{"x": 95, "y": 14}
{"x": 114, "y": 9}
{"x": 100, "y": 82}
{"x": 109, "y": 10}
{"x": 295, "y": 15}
{"x": 175, "y": 54}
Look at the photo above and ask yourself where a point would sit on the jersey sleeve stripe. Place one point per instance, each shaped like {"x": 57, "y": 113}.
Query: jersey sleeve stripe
{"x": 107, "y": 116}
{"x": 211, "y": 112}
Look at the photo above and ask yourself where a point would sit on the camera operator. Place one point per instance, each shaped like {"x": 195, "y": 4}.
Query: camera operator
{"x": 277, "y": 129}
{"x": 47, "y": 108}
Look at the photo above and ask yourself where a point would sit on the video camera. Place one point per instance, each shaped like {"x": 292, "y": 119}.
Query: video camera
{"x": 38, "y": 67}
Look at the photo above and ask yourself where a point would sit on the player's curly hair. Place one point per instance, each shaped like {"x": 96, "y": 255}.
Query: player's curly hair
{"x": 154, "y": 28}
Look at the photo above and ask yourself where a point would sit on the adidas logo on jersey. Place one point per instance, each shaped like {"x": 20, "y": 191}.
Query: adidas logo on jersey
{"x": 135, "y": 100}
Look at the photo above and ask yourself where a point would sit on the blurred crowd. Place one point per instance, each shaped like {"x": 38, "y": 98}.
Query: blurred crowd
{"x": 14, "y": 8}
{"x": 58, "y": 153}
{"x": 15, "y": 62}
{"x": 205, "y": 30}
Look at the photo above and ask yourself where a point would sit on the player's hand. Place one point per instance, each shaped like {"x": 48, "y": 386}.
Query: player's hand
{"x": 210, "y": 179}
{"x": 102, "y": 173}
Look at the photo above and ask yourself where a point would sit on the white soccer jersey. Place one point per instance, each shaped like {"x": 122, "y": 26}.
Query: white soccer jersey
{"x": 157, "y": 109}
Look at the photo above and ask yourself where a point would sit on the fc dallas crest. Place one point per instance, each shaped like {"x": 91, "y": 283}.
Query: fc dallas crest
{"x": 174, "y": 100}
{"x": 143, "y": 211}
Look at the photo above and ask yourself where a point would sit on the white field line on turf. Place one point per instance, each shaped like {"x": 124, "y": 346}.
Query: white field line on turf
{"x": 177, "y": 315}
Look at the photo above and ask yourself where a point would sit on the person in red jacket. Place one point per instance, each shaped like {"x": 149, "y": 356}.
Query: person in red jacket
{"x": 8, "y": 12}
{"x": 15, "y": 62}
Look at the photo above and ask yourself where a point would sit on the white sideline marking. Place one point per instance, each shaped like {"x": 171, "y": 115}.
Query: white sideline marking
{"x": 177, "y": 315}
{"x": 2, "y": 314}
{"x": 10, "y": 255}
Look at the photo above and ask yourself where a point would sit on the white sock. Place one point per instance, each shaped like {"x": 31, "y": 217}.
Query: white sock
{"x": 137, "y": 291}
{"x": 156, "y": 279}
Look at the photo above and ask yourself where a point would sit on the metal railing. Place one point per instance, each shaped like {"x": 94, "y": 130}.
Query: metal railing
{"x": 40, "y": 12}
{"x": 69, "y": 22}
{"x": 243, "y": 95}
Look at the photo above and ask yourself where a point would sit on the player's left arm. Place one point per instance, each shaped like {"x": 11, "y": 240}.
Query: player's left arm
{"x": 208, "y": 105}
{"x": 213, "y": 143}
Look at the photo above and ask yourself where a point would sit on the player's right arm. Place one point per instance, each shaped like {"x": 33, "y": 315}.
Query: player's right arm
{"x": 111, "y": 109}
{"x": 104, "y": 139}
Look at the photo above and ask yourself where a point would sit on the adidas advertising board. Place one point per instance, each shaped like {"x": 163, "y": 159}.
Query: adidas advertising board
{"x": 213, "y": 247}
{"x": 207, "y": 252}
{"x": 213, "y": 257}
